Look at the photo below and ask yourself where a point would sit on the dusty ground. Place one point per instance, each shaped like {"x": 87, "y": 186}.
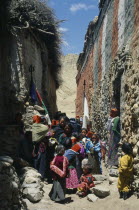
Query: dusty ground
{"x": 111, "y": 202}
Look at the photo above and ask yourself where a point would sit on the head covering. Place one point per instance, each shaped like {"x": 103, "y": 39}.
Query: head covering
{"x": 73, "y": 139}
{"x": 76, "y": 147}
{"x": 55, "y": 122}
{"x": 114, "y": 112}
{"x": 89, "y": 134}
{"x": 127, "y": 148}
{"x": 60, "y": 149}
{"x": 36, "y": 119}
{"x": 96, "y": 136}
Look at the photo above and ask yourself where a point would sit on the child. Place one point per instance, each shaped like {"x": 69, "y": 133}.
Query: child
{"x": 84, "y": 132}
{"x": 83, "y": 137}
{"x": 93, "y": 149}
{"x": 103, "y": 148}
{"x": 89, "y": 134}
{"x": 65, "y": 138}
{"x": 125, "y": 171}
{"x": 40, "y": 158}
{"x": 80, "y": 156}
{"x": 59, "y": 167}
{"x": 52, "y": 138}
{"x": 50, "y": 152}
{"x": 86, "y": 182}
{"x": 74, "y": 138}
{"x": 71, "y": 154}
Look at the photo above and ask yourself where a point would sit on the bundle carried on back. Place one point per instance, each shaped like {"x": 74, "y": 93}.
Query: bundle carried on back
{"x": 39, "y": 131}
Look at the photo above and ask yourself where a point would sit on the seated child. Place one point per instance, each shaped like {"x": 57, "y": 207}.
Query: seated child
{"x": 125, "y": 171}
{"x": 86, "y": 182}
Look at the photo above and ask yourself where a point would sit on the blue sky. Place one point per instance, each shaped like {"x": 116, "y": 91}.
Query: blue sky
{"x": 78, "y": 14}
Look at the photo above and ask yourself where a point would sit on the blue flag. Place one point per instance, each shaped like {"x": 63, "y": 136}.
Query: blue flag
{"x": 33, "y": 92}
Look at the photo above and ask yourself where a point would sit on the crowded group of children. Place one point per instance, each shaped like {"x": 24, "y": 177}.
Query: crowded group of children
{"x": 68, "y": 159}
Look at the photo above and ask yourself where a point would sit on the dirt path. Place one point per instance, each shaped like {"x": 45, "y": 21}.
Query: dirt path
{"x": 111, "y": 202}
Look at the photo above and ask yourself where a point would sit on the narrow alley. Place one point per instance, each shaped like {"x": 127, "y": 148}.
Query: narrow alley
{"x": 69, "y": 104}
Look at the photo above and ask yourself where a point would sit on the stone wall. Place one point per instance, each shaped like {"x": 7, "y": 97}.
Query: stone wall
{"x": 10, "y": 189}
{"x": 8, "y": 97}
{"x": 114, "y": 71}
{"x": 111, "y": 63}
{"x": 17, "y": 53}
{"x": 9, "y": 139}
{"x": 66, "y": 94}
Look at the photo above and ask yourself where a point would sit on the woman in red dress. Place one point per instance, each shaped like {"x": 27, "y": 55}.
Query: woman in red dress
{"x": 59, "y": 167}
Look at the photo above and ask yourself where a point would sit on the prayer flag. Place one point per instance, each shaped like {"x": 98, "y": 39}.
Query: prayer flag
{"x": 86, "y": 113}
{"x": 33, "y": 92}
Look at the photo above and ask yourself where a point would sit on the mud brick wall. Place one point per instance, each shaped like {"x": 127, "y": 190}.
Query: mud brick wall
{"x": 87, "y": 76}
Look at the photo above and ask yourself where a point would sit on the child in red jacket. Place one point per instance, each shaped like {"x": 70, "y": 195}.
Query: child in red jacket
{"x": 86, "y": 182}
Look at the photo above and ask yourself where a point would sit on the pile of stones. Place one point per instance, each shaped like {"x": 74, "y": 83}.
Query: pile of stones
{"x": 14, "y": 188}
{"x": 30, "y": 112}
{"x": 99, "y": 191}
{"x": 31, "y": 184}
{"x": 113, "y": 175}
{"x": 10, "y": 191}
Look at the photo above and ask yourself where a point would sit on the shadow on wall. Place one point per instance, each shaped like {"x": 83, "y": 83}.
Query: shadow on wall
{"x": 9, "y": 82}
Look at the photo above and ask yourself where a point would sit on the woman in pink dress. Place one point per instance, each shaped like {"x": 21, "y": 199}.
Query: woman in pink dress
{"x": 71, "y": 154}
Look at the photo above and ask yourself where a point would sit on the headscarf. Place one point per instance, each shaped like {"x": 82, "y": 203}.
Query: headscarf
{"x": 114, "y": 112}
{"x": 76, "y": 147}
{"x": 89, "y": 134}
{"x": 36, "y": 119}
{"x": 73, "y": 139}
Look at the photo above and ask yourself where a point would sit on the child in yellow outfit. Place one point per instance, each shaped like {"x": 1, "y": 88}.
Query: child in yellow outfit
{"x": 125, "y": 171}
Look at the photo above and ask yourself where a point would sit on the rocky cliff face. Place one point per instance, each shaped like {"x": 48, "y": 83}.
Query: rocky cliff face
{"x": 66, "y": 94}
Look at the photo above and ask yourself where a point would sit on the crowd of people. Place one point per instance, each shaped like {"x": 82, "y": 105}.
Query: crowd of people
{"x": 69, "y": 155}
